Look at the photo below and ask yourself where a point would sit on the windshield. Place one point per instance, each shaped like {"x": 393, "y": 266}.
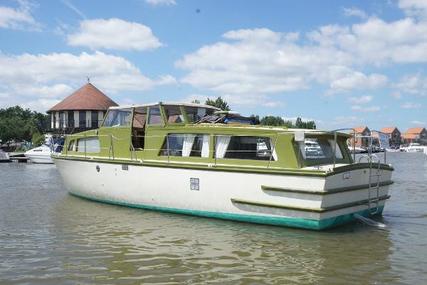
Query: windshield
{"x": 317, "y": 151}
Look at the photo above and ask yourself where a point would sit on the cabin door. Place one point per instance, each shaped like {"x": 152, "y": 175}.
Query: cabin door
{"x": 138, "y": 127}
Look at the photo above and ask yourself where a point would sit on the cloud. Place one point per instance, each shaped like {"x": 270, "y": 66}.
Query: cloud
{"x": 49, "y": 77}
{"x": 19, "y": 18}
{"x": 360, "y": 100}
{"x": 365, "y": 109}
{"x": 354, "y": 12}
{"x": 411, "y": 105}
{"x": 261, "y": 61}
{"x": 418, "y": 123}
{"x": 416, "y": 8}
{"x": 74, "y": 8}
{"x": 114, "y": 34}
{"x": 414, "y": 84}
{"x": 161, "y": 2}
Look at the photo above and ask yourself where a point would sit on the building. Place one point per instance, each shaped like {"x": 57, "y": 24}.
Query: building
{"x": 415, "y": 135}
{"x": 361, "y": 140}
{"x": 394, "y": 135}
{"x": 82, "y": 110}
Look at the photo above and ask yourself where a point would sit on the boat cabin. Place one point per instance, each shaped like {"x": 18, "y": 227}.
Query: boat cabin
{"x": 199, "y": 136}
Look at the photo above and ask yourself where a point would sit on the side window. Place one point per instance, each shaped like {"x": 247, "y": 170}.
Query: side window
{"x": 88, "y": 145}
{"x": 245, "y": 147}
{"x": 186, "y": 145}
{"x": 173, "y": 114}
{"x": 71, "y": 145}
{"x": 118, "y": 118}
{"x": 155, "y": 117}
{"x": 316, "y": 149}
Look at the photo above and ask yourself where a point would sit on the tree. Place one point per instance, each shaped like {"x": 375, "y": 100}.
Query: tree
{"x": 219, "y": 103}
{"x": 272, "y": 121}
{"x": 195, "y": 101}
{"x": 20, "y": 124}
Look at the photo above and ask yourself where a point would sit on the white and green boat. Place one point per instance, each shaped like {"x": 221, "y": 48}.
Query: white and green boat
{"x": 190, "y": 159}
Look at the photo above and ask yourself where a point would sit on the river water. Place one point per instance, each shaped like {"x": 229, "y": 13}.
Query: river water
{"x": 50, "y": 237}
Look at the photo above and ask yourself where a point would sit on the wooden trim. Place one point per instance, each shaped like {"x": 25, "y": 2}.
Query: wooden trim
{"x": 327, "y": 191}
{"x": 315, "y": 210}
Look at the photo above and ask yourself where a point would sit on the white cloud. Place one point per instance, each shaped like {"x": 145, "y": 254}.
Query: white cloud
{"x": 74, "y": 8}
{"x": 19, "y": 18}
{"x": 360, "y": 100}
{"x": 114, "y": 34}
{"x": 49, "y": 77}
{"x": 396, "y": 95}
{"x": 260, "y": 61}
{"x": 365, "y": 109}
{"x": 355, "y": 12}
{"x": 161, "y": 2}
{"x": 417, "y": 8}
{"x": 418, "y": 123}
{"x": 413, "y": 84}
{"x": 411, "y": 105}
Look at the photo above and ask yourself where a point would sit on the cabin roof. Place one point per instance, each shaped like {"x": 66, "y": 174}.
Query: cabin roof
{"x": 167, "y": 104}
{"x": 88, "y": 97}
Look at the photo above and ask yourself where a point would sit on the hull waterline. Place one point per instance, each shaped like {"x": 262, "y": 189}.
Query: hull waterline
{"x": 312, "y": 202}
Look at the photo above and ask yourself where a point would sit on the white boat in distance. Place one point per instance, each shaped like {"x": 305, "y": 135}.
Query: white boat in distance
{"x": 414, "y": 147}
{"x": 4, "y": 157}
{"x": 40, "y": 154}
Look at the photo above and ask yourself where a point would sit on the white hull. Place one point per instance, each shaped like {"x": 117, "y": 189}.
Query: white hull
{"x": 292, "y": 200}
{"x": 40, "y": 155}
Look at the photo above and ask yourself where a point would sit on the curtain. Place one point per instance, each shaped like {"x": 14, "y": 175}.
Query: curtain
{"x": 273, "y": 149}
{"x": 205, "y": 146}
{"x": 187, "y": 145}
{"x": 221, "y": 146}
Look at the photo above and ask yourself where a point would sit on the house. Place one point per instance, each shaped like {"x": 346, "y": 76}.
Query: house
{"x": 82, "y": 110}
{"x": 415, "y": 135}
{"x": 394, "y": 135}
{"x": 361, "y": 139}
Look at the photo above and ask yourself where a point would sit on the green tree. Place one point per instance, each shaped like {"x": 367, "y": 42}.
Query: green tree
{"x": 219, "y": 103}
{"x": 272, "y": 121}
{"x": 20, "y": 124}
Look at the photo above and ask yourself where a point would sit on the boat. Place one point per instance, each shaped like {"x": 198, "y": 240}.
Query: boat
{"x": 186, "y": 159}
{"x": 4, "y": 157}
{"x": 40, "y": 154}
{"x": 413, "y": 147}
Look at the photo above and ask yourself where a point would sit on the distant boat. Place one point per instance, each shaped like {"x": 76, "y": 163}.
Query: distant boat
{"x": 4, "y": 157}
{"x": 40, "y": 154}
{"x": 414, "y": 147}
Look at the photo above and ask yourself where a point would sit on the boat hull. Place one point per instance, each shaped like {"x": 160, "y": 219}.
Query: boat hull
{"x": 39, "y": 158}
{"x": 303, "y": 201}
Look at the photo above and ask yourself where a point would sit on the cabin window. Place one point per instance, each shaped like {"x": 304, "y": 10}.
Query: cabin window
{"x": 138, "y": 127}
{"x": 319, "y": 151}
{"x": 186, "y": 145}
{"x": 88, "y": 145}
{"x": 118, "y": 118}
{"x": 195, "y": 114}
{"x": 71, "y": 145}
{"x": 173, "y": 114}
{"x": 245, "y": 147}
{"x": 155, "y": 117}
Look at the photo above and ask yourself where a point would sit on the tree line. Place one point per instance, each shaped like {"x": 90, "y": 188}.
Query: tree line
{"x": 18, "y": 124}
{"x": 267, "y": 120}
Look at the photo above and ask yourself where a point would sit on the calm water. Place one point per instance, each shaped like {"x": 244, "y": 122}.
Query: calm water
{"x": 50, "y": 237}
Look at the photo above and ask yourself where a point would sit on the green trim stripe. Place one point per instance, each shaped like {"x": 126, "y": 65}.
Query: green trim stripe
{"x": 325, "y": 192}
{"x": 257, "y": 219}
{"x": 295, "y": 208}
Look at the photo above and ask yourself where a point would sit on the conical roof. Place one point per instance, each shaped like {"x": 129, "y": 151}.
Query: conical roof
{"x": 88, "y": 97}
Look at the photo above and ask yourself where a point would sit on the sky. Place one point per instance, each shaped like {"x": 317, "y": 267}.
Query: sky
{"x": 340, "y": 63}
